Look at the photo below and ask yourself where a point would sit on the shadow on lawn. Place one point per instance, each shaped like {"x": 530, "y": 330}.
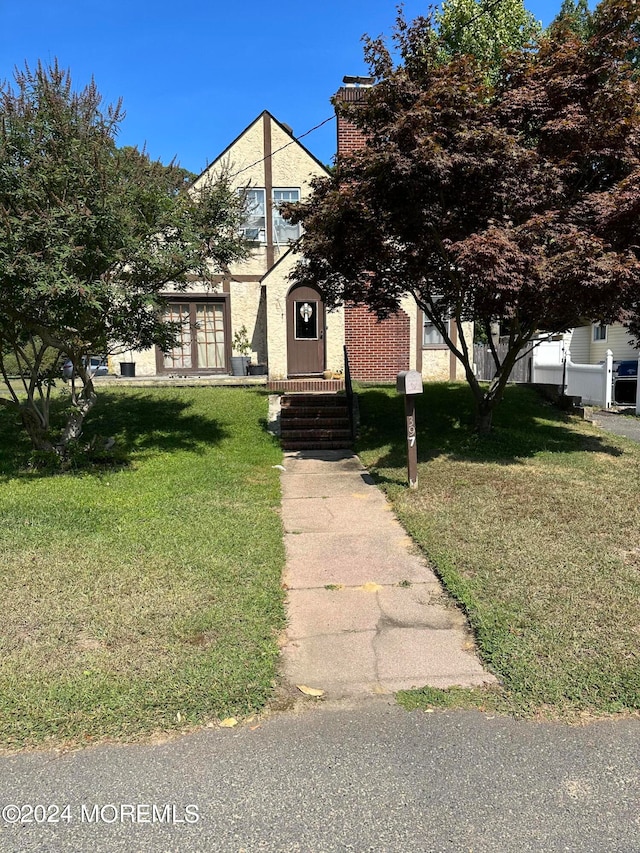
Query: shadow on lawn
{"x": 523, "y": 426}
{"x": 141, "y": 424}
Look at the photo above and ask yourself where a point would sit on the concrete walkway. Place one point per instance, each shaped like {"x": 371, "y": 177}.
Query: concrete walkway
{"x": 366, "y": 614}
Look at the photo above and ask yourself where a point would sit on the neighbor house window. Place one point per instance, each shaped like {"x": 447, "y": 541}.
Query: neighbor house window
{"x": 283, "y": 231}
{"x": 600, "y": 332}
{"x": 254, "y": 225}
{"x": 431, "y": 337}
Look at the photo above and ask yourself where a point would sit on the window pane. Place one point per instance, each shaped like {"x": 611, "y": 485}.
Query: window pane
{"x": 254, "y": 223}
{"x": 600, "y": 332}
{"x": 180, "y": 356}
{"x": 283, "y": 231}
{"x": 306, "y": 320}
{"x": 431, "y": 336}
{"x": 210, "y": 335}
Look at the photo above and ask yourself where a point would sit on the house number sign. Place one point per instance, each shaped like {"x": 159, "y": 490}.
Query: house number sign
{"x": 408, "y": 384}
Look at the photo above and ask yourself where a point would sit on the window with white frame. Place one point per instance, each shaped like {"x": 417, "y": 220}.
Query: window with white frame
{"x": 600, "y": 332}
{"x": 431, "y": 337}
{"x": 254, "y": 226}
{"x": 283, "y": 231}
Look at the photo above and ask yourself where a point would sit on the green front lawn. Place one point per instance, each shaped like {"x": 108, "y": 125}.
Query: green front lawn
{"x": 144, "y": 597}
{"x": 535, "y": 531}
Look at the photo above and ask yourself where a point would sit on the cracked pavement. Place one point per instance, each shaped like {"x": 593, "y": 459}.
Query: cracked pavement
{"x": 366, "y": 614}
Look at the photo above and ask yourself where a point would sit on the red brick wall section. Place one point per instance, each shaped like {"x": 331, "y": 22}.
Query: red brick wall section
{"x": 350, "y": 139}
{"x": 377, "y": 351}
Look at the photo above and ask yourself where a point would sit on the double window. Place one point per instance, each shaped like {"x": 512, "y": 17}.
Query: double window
{"x": 255, "y": 224}
{"x": 201, "y": 340}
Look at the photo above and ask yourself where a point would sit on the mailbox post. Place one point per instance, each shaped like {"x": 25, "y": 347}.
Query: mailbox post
{"x": 408, "y": 384}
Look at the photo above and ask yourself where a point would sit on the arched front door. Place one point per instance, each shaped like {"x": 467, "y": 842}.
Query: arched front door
{"x": 305, "y": 331}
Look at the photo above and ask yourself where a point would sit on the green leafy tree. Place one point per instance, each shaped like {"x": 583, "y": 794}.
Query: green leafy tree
{"x": 514, "y": 201}
{"x": 89, "y": 235}
{"x": 576, "y": 16}
{"x": 484, "y": 29}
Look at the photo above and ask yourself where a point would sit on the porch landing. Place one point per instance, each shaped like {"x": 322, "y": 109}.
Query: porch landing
{"x": 176, "y": 381}
{"x": 275, "y": 386}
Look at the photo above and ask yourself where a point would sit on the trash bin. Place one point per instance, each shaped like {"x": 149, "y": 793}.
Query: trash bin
{"x": 127, "y": 368}
{"x": 239, "y": 365}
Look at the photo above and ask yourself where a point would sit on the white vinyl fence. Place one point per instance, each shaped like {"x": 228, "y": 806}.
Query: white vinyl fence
{"x": 592, "y": 382}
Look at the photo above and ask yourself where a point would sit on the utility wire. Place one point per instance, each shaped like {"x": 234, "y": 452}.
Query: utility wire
{"x": 282, "y": 147}
{"x": 479, "y": 14}
{"x": 488, "y": 8}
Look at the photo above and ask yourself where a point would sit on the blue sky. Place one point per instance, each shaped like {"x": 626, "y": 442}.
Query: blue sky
{"x": 194, "y": 74}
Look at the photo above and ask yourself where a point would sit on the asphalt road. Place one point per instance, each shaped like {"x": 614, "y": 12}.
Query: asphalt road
{"x": 624, "y": 425}
{"x": 368, "y": 778}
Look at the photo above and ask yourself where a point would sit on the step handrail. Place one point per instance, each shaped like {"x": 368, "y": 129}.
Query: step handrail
{"x": 348, "y": 387}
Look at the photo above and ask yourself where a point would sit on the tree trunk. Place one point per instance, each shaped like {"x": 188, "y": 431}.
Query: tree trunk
{"x": 39, "y": 436}
{"x": 484, "y": 400}
{"x": 484, "y": 417}
{"x": 75, "y": 421}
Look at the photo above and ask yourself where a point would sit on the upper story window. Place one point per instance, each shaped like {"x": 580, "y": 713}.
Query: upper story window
{"x": 254, "y": 227}
{"x": 283, "y": 231}
{"x": 600, "y": 332}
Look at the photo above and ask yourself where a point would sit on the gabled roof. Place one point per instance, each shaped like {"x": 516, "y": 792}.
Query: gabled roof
{"x": 258, "y": 118}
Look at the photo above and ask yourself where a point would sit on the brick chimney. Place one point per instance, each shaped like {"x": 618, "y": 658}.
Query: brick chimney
{"x": 352, "y": 91}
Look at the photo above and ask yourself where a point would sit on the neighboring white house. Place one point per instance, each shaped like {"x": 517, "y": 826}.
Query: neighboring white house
{"x": 589, "y": 344}
{"x": 598, "y": 363}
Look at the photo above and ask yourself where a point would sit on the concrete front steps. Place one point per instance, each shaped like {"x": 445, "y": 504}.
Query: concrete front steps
{"x": 314, "y": 422}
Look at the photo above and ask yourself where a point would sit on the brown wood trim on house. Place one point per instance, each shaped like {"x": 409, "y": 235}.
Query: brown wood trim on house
{"x": 453, "y": 361}
{"x": 420, "y": 323}
{"x": 192, "y": 298}
{"x": 268, "y": 187}
{"x": 216, "y": 279}
{"x": 191, "y": 295}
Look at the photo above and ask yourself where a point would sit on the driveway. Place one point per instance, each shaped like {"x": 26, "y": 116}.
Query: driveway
{"x": 625, "y": 425}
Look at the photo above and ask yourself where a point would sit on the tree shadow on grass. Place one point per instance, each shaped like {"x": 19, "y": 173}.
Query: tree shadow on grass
{"x": 524, "y": 425}
{"x": 141, "y": 424}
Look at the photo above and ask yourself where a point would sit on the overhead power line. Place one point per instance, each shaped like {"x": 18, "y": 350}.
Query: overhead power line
{"x": 282, "y": 147}
{"x": 486, "y": 10}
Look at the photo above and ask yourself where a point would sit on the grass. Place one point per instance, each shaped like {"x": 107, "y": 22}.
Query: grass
{"x": 145, "y": 597}
{"x": 535, "y": 531}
